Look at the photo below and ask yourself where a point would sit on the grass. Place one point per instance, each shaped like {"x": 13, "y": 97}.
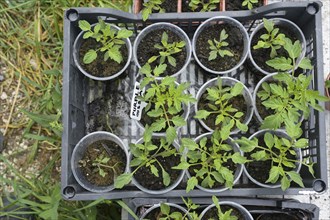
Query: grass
{"x": 31, "y": 43}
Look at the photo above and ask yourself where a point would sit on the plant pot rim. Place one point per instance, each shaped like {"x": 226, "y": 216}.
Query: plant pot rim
{"x": 298, "y": 151}
{"x": 254, "y": 98}
{"x": 186, "y": 112}
{"x": 161, "y": 191}
{"x": 163, "y": 25}
{"x": 232, "y": 21}
{"x": 77, "y": 43}
{"x": 248, "y": 102}
{"x": 247, "y": 215}
{"x": 239, "y": 166}
{"x": 276, "y": 20}
{"x": 155, "y": 206}
{"x": 100, "y": 135}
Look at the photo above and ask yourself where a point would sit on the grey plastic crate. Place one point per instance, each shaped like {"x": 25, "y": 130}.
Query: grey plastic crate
{"x": 81, "y": 95}
{"x": 255, "y": 206}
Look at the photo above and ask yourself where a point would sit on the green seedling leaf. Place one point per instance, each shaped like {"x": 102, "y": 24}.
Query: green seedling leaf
{"x": 191, "y": 183}
{"x": 301, "y": 143}
{"x": 84, "y": 25}
{"x": 178, "y": 121}
{"x": 189, "y": 144}
{"x": 305, "y": 64}
{"x": 238, "y": 158}
{"x": 274, "y": 175}
{"x": 237, "y": 89}
{"x": 280, "y": 63}
{"x": 268, "y": 25}
{"x": 123, "y": 180}
{"x": 202, "y": 114}
{"x": 269, "y": 140}
{"x": 165, "y": 209}
{"x": 247, "y": 145}
{"x": 259, "y": 155}
{"x": 285, "y": 183}
{"x": 123, "y": 33}
{"x": 242, "y": 127}
{"x": 182, "y": 166}
{"x": 171, "y": 134}
{"x": 154, "y": 170}
{"x": 90, "y": 56}
{"x": 166, "y": 178}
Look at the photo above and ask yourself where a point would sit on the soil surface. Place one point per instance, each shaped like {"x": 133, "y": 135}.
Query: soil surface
{"x": 259, "y": 170}
{"x": 146, "y": 50}
{"x": 229, "y": 164}
{"x": 169, "y": 6}
{"x": 149, "y": 180}
{"x": 186, "y": 8}
{"x": 213, "y": 213}
{"x": 237, "y": 102}
{"x": 156, "y": 214}
{"x": 103, "y": 148}
{"x": 99, "y": 67}
{"x": 235, "y": 41}
{"x": 277, "y": 216}
{"x": 110, "y": 110}
{"x": 260, "y": 56}
{"x": 235, "y": 5}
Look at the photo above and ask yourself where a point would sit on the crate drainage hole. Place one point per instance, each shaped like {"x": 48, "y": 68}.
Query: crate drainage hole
{"x": 72, "y": 14}
{"x": 69, "y": 192}
{"x": 313, "y": 8}
{"x": 319, "y": 185}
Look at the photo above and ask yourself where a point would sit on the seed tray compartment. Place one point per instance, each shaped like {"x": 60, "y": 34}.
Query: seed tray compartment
{"x": 256, "y": 206}
{"x": 93, "y": 105}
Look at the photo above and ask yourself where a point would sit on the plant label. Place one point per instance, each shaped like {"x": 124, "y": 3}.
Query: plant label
{"x": 137, "y": 105}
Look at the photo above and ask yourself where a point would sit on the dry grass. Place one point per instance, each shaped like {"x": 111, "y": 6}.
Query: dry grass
{"x": 31, "y": 42}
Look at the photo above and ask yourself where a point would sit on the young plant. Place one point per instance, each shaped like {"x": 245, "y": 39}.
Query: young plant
{"x": 148, "y": 154}
{"x": 150, "y": 6}
{"x": 101, "y": 163}
{"x": 110, "y": 40}
{"x": 191, "y": 210}
{"x": 289, "y": 97}
{"x": 205, "y": 5}
{"x": 249, "y": 3}
{"x": 166, "y": 50}
{"x": 272, "y": 39}
{"x": 217, "y": 47}
{"x": 219, "y": 104}
{"x": 279, "y": 151}
{"x": 166, "y": 213}
{"x": 223, "y": 216}
{"x": 165, "y": 100}
{"x": 209, "y": 160}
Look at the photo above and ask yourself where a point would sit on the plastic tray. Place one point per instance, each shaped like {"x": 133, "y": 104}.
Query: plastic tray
{"x": 82, "y": 96}
{"x": 257, "y": 207}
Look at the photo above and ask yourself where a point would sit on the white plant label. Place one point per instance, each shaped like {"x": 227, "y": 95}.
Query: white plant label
{"x": 137, "y": 105}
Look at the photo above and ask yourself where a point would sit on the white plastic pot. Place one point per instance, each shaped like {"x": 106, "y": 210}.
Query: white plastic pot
{"x": 237, "y": 174}
{"x": 226, "y": 81}
{"x": 279, "y": 22}
{"x": 281, "y": 134}
{"x": 76, "y": 47}
{"x": 161, "y": 191}
{"x": 219, "y": 20}
{"x": 79, "y": 151}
